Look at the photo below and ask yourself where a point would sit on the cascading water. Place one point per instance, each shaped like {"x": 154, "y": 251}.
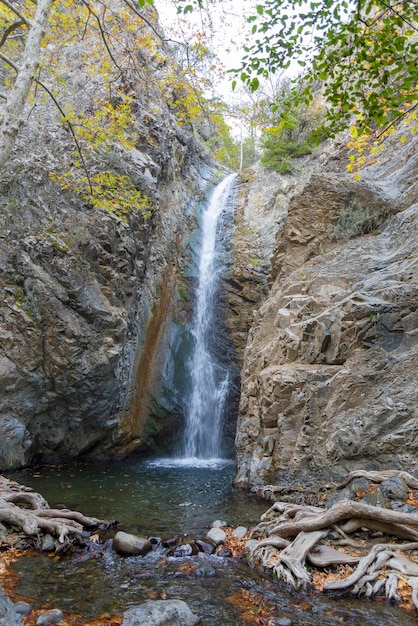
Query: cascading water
{"x": 209, "y": 380}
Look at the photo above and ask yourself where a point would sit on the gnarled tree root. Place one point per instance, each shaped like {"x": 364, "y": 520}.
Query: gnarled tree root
{"x": 25, "y": 511}
{"x": 294, "y": 539}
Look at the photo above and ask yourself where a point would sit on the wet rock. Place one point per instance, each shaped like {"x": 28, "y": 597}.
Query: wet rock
{"x": 128, "y": 544}
{"x": 50, "y": 618}
{"x": 333, "y": 535}
{"x": 184, "y": 550}
{"x": 160, "y": 613}
{"x": 224, "y": 552}
{"x": 240, "y": 532}
{"x": 283, "y": 621}
{"x": 8, "y": 614}
{"x": 216, "y": 535}
{"x": 23, "y": 608}
{"x": 155, "y": 541}
{"x": 206, "y": 548}
{"x": 205, "y": 572}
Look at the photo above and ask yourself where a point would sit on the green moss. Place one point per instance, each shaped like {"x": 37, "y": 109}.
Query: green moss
{"x": 58, "y": 243}
{"x": 254, "y": 261}
{"x": 183, "y": 295}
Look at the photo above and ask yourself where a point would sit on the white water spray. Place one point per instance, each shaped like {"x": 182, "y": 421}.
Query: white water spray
{"x": 209, "y": 381}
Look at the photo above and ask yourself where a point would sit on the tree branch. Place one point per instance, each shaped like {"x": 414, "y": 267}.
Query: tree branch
{"x": 16, "y": 11}
{"x": 71, "y": 129}
{"x": 103, "y": 34}
{"x": 13, "y": 26}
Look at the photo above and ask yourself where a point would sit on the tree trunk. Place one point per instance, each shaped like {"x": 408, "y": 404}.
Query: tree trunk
{"x": 13, "y": 111}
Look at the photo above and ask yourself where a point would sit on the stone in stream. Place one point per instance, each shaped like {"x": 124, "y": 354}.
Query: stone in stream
{"x": 8, "y": 615}
{"x": 48, "y": 543}
{"x": 216, "y": 535}
{"x": 206, "y": 548}
{"x": 50, "y": 618}
{"x": 240, "y": 532}
{"x": 218, "y": 523}
{"x": 124, "y": 543}
{"x": 23, "y": 608}
{"x": 184, "y": 550}
{"x": 160, "y": 613}
{"x": 251, "y": 544}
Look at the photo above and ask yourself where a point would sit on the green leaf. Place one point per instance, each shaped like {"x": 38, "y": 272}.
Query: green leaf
{"x": 254, "y": 85}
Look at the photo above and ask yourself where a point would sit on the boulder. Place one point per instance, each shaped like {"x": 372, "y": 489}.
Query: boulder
{"x": 160, "y": 613}
{"x": 8, "y": 615}
{"x": 128, "y": 544}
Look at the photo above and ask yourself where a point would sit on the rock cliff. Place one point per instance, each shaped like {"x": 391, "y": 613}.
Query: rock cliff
{"x": 329, "y": 375}
{"x": 92, "y": 302}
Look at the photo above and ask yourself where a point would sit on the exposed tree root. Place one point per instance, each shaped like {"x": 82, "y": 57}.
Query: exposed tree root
{"x": 380, "y": 477}
{"x": 27, "y": 513}
{"x": 295, "y": 539}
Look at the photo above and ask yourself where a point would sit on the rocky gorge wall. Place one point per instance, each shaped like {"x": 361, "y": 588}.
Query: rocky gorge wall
{"x": 91, "y": 303}
{"x": 329, "y": 374}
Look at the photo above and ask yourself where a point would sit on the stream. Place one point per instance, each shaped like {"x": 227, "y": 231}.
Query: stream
{"x": 166, "y": 499}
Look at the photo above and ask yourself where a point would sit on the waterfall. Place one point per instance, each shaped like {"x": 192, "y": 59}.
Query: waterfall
{"x": 209, "y": 380}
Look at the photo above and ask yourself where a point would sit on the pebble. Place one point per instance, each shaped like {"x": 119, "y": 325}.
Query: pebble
{"x": 206, "y": 548}
{"x": 240, "y": 532}
{"x": 225, "y": 553}
{"x": 333, "y": 535}
{"x": 125, "y": 543}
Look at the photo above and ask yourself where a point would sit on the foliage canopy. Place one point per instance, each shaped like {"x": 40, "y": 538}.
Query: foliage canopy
{"x": 363, "y": 55}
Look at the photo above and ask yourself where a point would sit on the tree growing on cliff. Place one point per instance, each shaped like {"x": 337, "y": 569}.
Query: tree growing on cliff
{"x": 114, "y": 57}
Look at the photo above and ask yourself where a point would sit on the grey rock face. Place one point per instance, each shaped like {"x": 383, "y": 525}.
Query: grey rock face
{"x": 90, "y": 302}
{"x": 329, "y": 378}
{"x": 160, "y": 613}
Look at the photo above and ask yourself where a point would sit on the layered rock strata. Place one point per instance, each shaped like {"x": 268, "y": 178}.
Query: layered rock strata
{"x": 329, "y": 376}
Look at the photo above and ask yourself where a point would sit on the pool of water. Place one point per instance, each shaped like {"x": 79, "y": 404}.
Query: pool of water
{"x": 166, "y": 499}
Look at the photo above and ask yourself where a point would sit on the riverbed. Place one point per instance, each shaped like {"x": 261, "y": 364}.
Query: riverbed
{"x": 164, "y": 498}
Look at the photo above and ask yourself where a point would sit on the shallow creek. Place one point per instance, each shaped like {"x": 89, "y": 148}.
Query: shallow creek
{"x": 165, "y": 500}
